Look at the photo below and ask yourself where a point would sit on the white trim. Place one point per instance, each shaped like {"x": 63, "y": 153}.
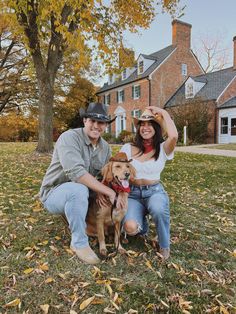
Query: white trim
{"x": 195, "y": 57}
{"x": 225, "y": 89}
{"x": 150, "y": 75}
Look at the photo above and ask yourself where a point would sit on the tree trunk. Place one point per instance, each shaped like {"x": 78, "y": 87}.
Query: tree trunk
{"x": 45, "y": 130}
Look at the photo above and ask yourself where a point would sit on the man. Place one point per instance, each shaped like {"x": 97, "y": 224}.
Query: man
{"x": 78, "y": 156}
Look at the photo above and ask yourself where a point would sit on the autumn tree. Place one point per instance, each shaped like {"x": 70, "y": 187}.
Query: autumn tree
{"x": 53, "y": 28}
{"x": 16, "y": 86}
{"x": 66, "y": 109}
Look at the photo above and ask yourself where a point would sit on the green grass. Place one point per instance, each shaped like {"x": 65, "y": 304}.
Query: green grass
{"x": 202, "y": 265}
{"x": 224, "y": 146}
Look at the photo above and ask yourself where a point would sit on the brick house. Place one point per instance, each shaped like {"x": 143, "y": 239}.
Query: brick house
{"x": 218, "y": 92}
{"x": 153, "y": 80}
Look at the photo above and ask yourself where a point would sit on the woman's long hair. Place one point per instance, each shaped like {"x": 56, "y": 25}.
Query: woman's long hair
{"x": 157, "y": 139}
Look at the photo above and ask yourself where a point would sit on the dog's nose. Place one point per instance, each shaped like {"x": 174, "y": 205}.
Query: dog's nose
{"x": 127, "y": 174}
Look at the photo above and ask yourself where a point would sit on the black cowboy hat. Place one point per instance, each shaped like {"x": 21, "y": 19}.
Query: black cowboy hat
{"x": 96, "y": 111}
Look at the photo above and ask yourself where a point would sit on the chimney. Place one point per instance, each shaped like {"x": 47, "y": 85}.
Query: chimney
{"x": 181, "y": 34}
{"x": 234, "y": 53}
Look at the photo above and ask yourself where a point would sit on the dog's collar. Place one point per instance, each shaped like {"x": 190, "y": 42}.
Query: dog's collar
{"x": 117, "y": 188}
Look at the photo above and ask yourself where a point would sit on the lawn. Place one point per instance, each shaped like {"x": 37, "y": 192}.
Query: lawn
{"x": 39, "y": 273}
{"x": 224, "y": 146}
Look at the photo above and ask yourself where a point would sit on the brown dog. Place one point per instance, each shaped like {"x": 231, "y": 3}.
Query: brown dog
{"x": 116, "y": 174}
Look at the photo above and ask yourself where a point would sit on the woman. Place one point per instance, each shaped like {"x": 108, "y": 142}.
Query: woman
{"x": 149, "y": 153}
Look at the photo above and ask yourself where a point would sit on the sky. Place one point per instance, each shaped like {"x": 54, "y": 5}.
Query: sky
{"x": 212, "y": 18}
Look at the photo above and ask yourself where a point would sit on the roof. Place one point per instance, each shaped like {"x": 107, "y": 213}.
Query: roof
{"x": 158, "y": 57}
{"x": 229, "y": 103}
{"x": 216, "y": 82}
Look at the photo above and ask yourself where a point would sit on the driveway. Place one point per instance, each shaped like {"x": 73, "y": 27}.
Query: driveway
{"x": 204, "y": 149}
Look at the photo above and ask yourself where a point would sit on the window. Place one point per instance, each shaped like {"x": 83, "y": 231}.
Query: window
{"x": 184, "y": 69}
{"x": 135, "y": 113}
{"x": 140, "y": 67}
{"x": 106, "y": 99}
{"x": 136, "y": 91}
{"x": 120, "y": 96}
{"x": 189, "y": 90}
{"x": 124, "y": 74}
{"x": 233, "y": 126}
{"x": 224, "y": 126}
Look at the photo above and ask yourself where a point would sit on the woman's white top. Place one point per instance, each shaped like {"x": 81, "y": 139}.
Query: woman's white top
{"x": 151, "y": 169}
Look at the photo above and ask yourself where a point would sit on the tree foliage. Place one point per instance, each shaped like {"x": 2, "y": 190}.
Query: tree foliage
{"x": 196, "y": 116}
{"x": 16, "y": 87}
{"x": 85, "y": 29}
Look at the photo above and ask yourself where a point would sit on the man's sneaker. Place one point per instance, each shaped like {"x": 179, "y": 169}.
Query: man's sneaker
{"x": 86, "y": 255}
{"x": 165, "y": 253}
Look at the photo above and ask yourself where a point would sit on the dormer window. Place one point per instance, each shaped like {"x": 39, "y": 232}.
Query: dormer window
{"x": 184, "y": 69}
{"x": 189, "y": 90}
{"x": 124, "y": 74}
{"x": 140, "y": 67}
{"x": 110, "y": 79}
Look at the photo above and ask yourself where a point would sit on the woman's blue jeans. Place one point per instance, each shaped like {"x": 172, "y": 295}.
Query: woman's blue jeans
{"x": 71, "y": 199}
{"x": 150, "y": 200}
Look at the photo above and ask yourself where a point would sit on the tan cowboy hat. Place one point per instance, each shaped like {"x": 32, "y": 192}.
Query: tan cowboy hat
{"x": 121, "y": 157}
{"x": 147, "y": 115}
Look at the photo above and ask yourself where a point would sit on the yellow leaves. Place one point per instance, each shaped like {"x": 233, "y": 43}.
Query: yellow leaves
{"x": 185, "y": 305}
{"x": 13, "y": 303}
{"x": 49, "y": 280}
{"x": 86, "y": 303}
{"x": 28, "y": 271}
{"x": 44, "y": 308}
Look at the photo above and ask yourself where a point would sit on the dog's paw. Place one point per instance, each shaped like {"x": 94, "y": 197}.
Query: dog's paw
{"x": 121, "y": 250}
{"x": 103, "y": 252}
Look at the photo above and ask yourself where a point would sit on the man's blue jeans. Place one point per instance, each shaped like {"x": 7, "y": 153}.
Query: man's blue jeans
{"x": 71, "y": 199}
{"x": 152, "y": 200}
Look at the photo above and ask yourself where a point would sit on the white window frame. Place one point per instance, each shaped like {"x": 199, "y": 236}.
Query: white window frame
{"x": 121, "y": 96}
{"x": 184, "y": 69}
{"x": 141, "y": 67}
{"x": 224, "y": 126}
{"x": 135, "y": 95}
{"x": 124, "y": 74}
{"x": 106, "y": 102}
{"x": 189, "y": 93}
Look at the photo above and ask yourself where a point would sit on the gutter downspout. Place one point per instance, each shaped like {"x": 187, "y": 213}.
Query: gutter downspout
{"x": 149, "y": 91}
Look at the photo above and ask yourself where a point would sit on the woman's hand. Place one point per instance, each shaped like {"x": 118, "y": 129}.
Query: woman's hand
{"x": 156, "y": 110}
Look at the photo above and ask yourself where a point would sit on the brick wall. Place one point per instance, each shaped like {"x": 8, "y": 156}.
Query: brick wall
{"x": 229, "y": 92}
{"x": 168, "y": 77}
{"x": 129, "y": 104}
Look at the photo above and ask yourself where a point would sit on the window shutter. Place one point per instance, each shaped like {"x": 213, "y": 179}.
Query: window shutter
{"x": 104, "y": 99}
{"x": 108, "y": 99}
{"x": 117, "y": 96}
{"x": 123, "y": 95}
{"x": 139, "y": 88}
{"x": 133, "y": 92}
{"x": 139, "y": 113}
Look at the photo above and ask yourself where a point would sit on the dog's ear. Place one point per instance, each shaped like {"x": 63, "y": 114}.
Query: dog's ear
{"x": 132, "y": 172}
{"x": 107, "y": 172}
